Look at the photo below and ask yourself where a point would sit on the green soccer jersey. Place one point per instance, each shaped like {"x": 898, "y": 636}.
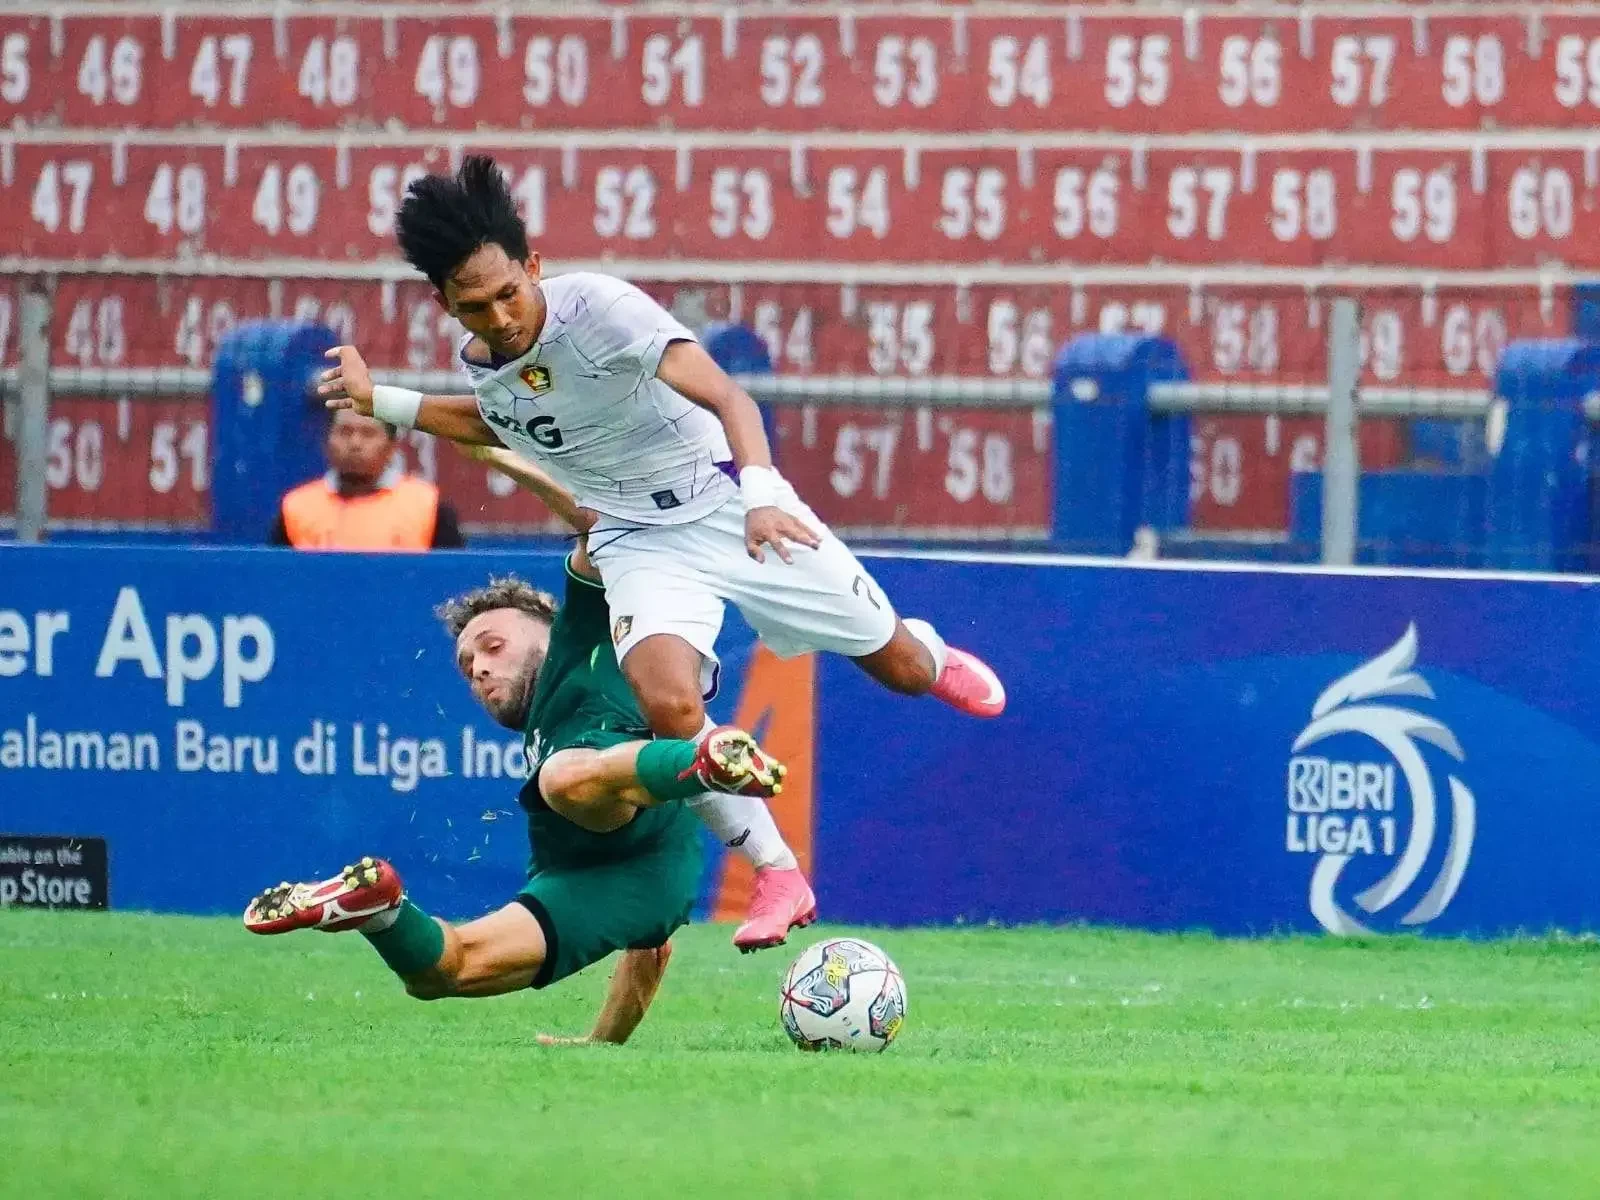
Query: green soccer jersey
{"x": 581, "y": 699}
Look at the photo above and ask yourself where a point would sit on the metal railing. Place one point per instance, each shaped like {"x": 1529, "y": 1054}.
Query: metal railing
{"x": 1341, "y": 403}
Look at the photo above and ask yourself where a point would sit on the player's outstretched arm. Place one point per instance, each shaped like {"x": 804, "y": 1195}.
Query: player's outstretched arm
{"x": 531, "y": 478}
{"x": 687, "y": 369}
{"x": 349, "y": 385}
{"x": 633, "y": 986}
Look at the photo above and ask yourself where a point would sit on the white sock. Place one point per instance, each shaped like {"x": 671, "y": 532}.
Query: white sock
{"x": 745, "y": 824}
{"x": 929, "y": 637}
{"x": 378, "y": 922}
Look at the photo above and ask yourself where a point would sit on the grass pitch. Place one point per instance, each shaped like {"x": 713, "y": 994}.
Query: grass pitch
{"x": 158, "y": 1057}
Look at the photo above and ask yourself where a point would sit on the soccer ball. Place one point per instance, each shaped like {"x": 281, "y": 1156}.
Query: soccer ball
{"x": 843, "y": 994}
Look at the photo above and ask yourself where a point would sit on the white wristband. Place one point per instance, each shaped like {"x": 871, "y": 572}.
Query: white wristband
{"x": 760, "y": 487}
{"x": 396, "y": 406}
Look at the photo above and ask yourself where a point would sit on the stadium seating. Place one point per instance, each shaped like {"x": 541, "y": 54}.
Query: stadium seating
{"x": 948, "y": 189}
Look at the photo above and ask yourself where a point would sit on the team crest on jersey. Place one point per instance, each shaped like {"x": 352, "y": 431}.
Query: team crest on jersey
{"x": 621, "y": 629}
{"x": 536, "y": 377}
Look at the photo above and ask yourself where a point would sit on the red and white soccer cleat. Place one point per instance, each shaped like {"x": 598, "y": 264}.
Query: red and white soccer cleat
{"x": 969, "y": 684}
{"x": 347, "y": 901}
{"x": 729, "y": 760}
{"x": 783, "y": 901}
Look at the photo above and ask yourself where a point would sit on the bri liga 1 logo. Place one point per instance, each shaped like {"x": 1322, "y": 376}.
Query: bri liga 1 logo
{"x": 1342, "y": 802}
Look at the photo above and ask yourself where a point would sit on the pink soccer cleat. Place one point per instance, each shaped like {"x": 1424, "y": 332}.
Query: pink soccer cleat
{"x": 347, "y": 901}
{"x": 783, "y": 901}
{"x": 729, "y": 760}
{"x": 969, "y": 684}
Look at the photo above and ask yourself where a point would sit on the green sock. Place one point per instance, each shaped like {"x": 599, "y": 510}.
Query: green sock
{"x": 661, "y": 762}
{"x": 412, "y": 944}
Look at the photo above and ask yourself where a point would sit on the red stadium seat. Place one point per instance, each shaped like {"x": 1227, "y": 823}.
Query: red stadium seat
{"x": 942, "y": 191}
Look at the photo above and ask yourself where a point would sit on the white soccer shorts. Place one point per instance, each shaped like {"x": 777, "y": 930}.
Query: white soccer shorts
{"x": 676, "y": 579}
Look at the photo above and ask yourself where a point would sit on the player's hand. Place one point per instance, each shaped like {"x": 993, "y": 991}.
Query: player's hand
{"x": 771, "y": 526}
{"x": 546, "y": 1039}
{"x": 582, "y": 564}
{"x": 348, "y": 385}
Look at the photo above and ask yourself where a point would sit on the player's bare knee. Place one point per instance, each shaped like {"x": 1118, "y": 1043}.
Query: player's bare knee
{"x": 673, "y": 711}
{"x": 664, "y": 672}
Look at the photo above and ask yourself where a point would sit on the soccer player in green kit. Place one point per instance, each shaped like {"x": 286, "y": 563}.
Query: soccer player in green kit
{"x": 616, "y": 855}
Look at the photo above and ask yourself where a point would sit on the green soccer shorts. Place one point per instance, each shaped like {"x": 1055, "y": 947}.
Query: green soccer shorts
{"x": 596, "y": 894}
{"x": 589, "y": 912}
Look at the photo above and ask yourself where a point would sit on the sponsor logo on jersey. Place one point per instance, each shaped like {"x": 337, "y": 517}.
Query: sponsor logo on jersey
{"x": 504, "y": 420}
{"x": 541, "y": 430}
{"x": 536, "y": 377}
{"x": 1342, "y": 802}
{"x": 621, "y": 629}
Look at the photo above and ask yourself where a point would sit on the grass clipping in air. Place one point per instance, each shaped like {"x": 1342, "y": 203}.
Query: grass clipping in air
{"x": 177, "y": 1057}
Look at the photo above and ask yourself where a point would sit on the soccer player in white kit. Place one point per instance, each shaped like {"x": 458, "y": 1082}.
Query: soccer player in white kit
{"x": 594, "y": 381}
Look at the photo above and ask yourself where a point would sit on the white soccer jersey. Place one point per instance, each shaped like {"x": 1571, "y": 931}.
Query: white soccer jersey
{"x": 585, "y": 403}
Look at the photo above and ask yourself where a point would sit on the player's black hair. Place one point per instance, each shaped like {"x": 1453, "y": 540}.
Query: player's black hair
{"x": 445, "y": 219}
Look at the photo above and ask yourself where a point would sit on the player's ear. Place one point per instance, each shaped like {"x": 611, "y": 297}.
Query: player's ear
{"x": 533, "y": 267}
{"x": 440, "y": 300}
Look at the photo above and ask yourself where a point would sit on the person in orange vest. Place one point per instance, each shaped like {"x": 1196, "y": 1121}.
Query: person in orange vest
{"x": 366, "y": 501}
